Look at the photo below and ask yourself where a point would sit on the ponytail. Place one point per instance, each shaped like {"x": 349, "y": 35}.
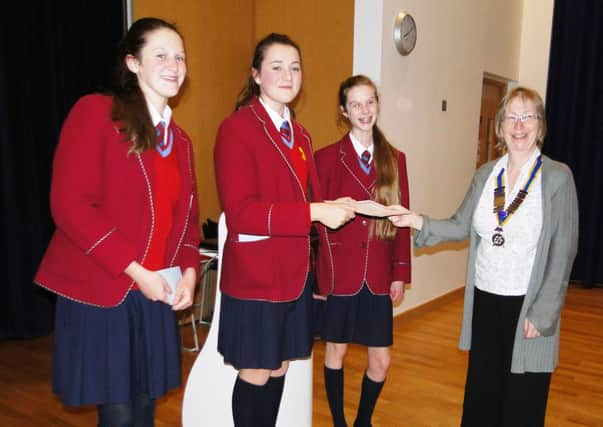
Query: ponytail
{"x": 387, "y": 185}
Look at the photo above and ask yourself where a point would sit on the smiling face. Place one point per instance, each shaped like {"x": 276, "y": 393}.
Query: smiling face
{"x": 160, "y": 66}
{"x": 521, "y": 126}
{"x": 361, "y": 107}
{"x": 279, "y": 77}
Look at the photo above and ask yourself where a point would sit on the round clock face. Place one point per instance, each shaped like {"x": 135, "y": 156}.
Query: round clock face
{"x": 405, "y": 33}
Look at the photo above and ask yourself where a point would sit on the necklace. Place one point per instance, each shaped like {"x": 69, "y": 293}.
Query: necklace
{"x": 503, "y": 215}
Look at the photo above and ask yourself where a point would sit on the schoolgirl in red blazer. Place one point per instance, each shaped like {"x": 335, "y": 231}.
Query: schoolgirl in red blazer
{"x": 269, "y": 190}
{"x": 96, "y": 239}
{"x": 371, "y": 258}
{"x": 124, "y": 202}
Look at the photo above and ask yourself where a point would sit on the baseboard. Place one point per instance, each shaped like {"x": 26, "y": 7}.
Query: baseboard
{"x": 420, "y": 310}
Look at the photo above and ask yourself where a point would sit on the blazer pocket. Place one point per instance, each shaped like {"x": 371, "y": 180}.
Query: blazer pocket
{"x": 248, "y": 260}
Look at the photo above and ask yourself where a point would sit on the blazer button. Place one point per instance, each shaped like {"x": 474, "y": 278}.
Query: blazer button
{"x": 364, "y": 245}
{"x": 364, "y": 222}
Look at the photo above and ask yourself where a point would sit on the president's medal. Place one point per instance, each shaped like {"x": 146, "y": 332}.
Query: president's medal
{"x": 502, "y": 215}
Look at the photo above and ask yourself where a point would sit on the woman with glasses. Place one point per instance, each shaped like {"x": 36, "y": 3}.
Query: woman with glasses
{"x": 521, "y": 215}
{"x": 371, "y": 257}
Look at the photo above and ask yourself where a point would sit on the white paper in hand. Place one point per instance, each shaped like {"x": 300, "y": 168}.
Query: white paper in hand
{"x": 172, "y": 276}
{"x": 374, "y": 209}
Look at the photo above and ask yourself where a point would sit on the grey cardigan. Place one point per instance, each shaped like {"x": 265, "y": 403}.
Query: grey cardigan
{"x": 555, "y": 255}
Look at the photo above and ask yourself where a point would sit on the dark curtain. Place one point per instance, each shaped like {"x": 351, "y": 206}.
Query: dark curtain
{"x": 574, "y": 107}
{"x": 52, "y": 52}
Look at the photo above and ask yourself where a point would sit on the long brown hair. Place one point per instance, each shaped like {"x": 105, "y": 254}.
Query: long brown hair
{"x": 385, "y": 157}
{"x": 129, "y": 104}
{"x": 251, "y": 88}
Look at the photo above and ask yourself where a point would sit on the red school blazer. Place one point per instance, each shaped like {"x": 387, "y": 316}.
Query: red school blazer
{"x": 357, "y": 257}
{"x": 262, "y": 196}
{"x": 102, "y": 203}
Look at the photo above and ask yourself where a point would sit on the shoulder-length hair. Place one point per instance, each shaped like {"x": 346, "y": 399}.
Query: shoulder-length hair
{"x": 525, "y": 94}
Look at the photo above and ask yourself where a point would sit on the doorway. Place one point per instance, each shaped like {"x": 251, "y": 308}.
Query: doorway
{"x": 493, "y": 90}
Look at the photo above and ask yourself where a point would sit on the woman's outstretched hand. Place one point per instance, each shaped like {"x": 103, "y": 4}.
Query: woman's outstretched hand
{"x": 406, "y": 219}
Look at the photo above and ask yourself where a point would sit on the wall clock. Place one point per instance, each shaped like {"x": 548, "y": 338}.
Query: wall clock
{"x": 405, "y": 33}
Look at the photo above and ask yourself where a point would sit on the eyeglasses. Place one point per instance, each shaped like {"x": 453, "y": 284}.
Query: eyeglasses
{"x": 358, "y": 106}
{"x": 529, "y": 118}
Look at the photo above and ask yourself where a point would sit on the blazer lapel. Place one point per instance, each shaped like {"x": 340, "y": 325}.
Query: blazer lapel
{"x": 274, "y": 138}
{"x": 349, "y": 159}
{"x": 305, "y": 143}
{"x": 185, "y": 164}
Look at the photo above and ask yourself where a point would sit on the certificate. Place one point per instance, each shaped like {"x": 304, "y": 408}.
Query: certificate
{"x": 172, "y": 276}
{"x": 374, "y": 209}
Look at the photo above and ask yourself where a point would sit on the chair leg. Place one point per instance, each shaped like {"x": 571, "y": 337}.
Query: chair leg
{"x": 195, "y": 337}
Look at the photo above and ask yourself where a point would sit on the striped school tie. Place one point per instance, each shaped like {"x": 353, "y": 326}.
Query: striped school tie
{"x": 285, "y": 131}
{"x": 365, "y": 162}
{"x": 163, "y": 145}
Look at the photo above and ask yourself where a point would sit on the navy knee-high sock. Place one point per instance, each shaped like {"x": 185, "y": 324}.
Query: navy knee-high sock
{"x": 246, "y": 403}
{"x": 115, "y": 415}
{"x": 274, "y": 393}
{"x": 144, "y": 411}
{"x": 368, "y": 398}
{"x": 334, "y": 387}
{"x": 140, "y": 412}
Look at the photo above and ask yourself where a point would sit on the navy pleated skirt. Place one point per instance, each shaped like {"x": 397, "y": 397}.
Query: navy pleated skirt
{"x": 363, "y": 318}
{"x": 108, "y": 355}
{"x": 261, "y": 334}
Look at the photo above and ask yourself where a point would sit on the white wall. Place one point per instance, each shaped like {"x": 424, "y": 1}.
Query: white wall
{"x": 368, "y": 24}
{"x": 535, "y": 44}
{"x": 458, "y": 40}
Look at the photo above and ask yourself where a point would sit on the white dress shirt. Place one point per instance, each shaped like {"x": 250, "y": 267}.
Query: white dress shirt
{"x": 156, "y": 118}
{"x": 360, "y": 148}
{"x": 276, "y": 118}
